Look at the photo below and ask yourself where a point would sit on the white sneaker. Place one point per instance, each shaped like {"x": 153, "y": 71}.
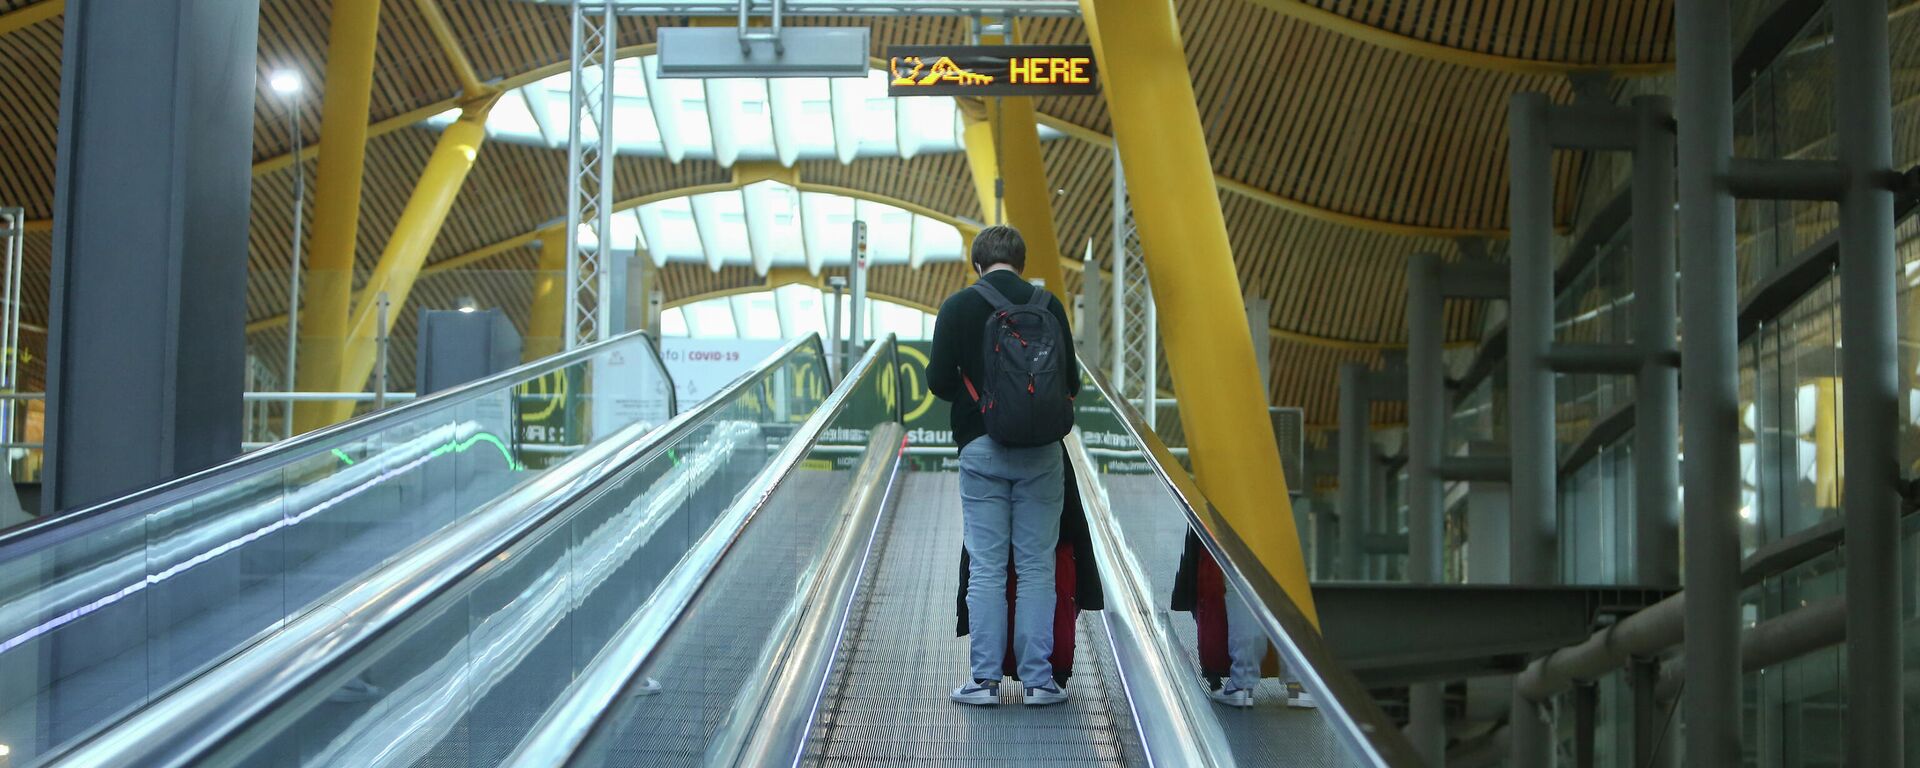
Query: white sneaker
{"x": 1051, "y": 693}
{"x": 979, "y": 693}
{"x": 1232, "y": 697}
{"x": 1299, "y": 698}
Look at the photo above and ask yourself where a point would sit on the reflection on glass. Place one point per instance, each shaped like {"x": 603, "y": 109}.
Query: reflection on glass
{"x": 98, "y": 615}
{"x": 461, "y": 680}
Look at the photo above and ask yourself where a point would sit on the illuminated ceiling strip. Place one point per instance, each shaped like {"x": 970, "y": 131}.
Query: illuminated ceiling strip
{"x": 664, "y": 104}
{"x": 844, "y": 99}
{"x": 784, "y": 108}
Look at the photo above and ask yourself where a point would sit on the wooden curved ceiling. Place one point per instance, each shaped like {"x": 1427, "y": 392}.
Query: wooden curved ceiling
{"x": 1363, "y": 141}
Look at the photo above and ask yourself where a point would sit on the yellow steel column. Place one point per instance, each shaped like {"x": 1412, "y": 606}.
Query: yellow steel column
{"x": 547, "y": 317}
{"x": 1829, "y": 443}
{"x": 1014, "y": 158}
{"x": 1190, "y": 265}
{"x": 412, "y": 239}
{"x": 336, "y": 209}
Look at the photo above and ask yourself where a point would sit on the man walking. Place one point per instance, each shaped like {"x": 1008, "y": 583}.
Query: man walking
{"x": 1003, "y": 355}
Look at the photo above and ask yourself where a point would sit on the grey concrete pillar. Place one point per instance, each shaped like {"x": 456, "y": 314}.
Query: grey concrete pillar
{"x": 1530, "y": 382}
{"x": 1529, "y": 338}
{"x": 147, "y": 345}
{"x": 1654, "y": 732}
{"x": 1709, "y": 406}
{"x": 1426, "y": 419}
{"x": 1869, "y": 381}
{"x": 1656, "y": 429}
{"x": 1355, "y": 457}
{"x": 1426, "y": 442}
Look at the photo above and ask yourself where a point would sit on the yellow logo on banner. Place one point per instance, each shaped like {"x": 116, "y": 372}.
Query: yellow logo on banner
{"x": 913, "y": 377}
{"x": 943, "y": 70}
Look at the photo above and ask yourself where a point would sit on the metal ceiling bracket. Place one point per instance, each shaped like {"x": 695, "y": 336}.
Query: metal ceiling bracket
{"x": 748, "y": 35}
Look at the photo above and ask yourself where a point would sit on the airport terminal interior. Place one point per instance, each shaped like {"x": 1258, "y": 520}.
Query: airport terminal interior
{"x": 449, "y": 383}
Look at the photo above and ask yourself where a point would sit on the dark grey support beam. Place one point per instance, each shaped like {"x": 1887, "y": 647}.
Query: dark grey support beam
{"x": 1772, "y": 179}
{"x": 146, "y": 355}
{"x": 1709, "y": 405}
{"x": 1596, "y": 126}
{"x": 1530, "y": 386}
{"x": 1656, "y": 433}
{"x": 1476, "y": 469}
{"x": 1620, "y": 359}
{"x": 1426, "y": 442}
{"x": 1654, "y": 731}
{"x": 1586, "y": 699}
{"x": 1473, "y": 281}
{"x": 1869, "y": 381}
{"x": 1355, "y": 455}
{"x": 1820, "y": 624}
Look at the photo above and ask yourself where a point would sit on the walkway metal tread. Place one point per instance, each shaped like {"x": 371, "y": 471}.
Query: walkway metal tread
{"x": 887, "y": 702}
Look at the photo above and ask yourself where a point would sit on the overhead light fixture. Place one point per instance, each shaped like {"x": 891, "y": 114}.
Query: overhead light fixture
{"x": 468, "y": 304}
{"x": 285, "y": 82}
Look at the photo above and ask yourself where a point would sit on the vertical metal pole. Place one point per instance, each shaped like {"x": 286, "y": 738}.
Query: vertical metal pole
{"x": 1656, "y": 429}
{"x": 837, "y": 349}
{"x": 299, "y": 224}
{"x": 857, "y": 313}
{"x": 1656, "y": 433}
{"x": 1426, "y": 418}
{"x": 1120, "y": 288}
{"x": 1870, "y": 498}
{"x": 1529, "y": 335}
{"x": 380, "y": 349}
{"x": 1709, "y": 406}
{"x": 609, "y": 149}
{"x": 14, "y": 223}
{"x": 575, "y": 147}
{"x": 1586, "y": 699}
{"x": 1150, "y": 355}
{"x": 1355, "y": 455}
{"x": 1654, "y": 733}
{"x": 1530, "y": 383}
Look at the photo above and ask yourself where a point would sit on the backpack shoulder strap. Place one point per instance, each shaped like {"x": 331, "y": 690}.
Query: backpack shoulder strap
{"x": 994, "y": 296}
{"x": 1039, "y": 298}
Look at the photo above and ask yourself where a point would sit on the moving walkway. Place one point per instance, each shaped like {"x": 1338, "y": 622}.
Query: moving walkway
{"x": 762, "y": 580}
{"x": 106, "y": 608}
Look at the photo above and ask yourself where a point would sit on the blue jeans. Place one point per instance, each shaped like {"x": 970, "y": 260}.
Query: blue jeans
{"x": 1011, "y": 498}
{"x": 1246, "y": 644}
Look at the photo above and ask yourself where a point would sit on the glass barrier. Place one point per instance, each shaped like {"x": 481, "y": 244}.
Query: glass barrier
{"x": 465, "y": 676}
{"x": 689, "y": 701}
{"x": 1192, "y": 593}
{"x": 103, "y": 609}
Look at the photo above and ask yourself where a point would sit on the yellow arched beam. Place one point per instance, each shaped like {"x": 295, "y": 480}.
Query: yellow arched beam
{"x": 21, "y": 18}
{"x": 1070, "y": 129}
{"x": 1413, "y": 46}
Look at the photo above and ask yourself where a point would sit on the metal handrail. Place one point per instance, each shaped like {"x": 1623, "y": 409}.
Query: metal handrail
{"x": 566, "y": 727}
{"x": 1169, "y": 711}
{"x": 1358, "y": 720}
{"x": 186, "y": 724}
{"x": 293, "y": 449}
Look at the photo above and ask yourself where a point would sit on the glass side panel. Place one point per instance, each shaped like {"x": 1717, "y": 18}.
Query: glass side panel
{"x": 99, "y": 615}
{"x": 1194, "y": 603}
{"x": 465, "y": 677}
{"x": 690, "y": 690}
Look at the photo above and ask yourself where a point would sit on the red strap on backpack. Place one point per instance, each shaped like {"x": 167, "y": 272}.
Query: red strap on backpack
{"x": 971, "y": 392}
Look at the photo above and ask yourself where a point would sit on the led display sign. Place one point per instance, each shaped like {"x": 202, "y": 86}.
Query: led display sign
{"x": 991, "y": 70}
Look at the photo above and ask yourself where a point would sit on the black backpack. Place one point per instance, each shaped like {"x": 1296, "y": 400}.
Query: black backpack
{"x": 1025, "y": 398}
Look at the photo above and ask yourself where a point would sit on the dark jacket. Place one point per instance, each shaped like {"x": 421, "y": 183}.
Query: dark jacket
{"x": 959, "y": 346}
{"x": 1088, "y": 595}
